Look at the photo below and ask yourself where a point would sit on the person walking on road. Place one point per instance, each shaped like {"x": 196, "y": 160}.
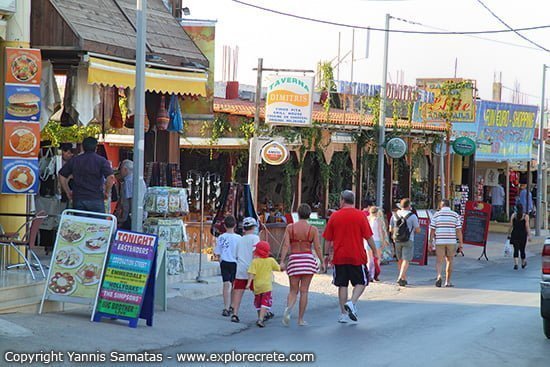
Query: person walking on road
{"x": 226, "y": 249}
{"x": 445, "y": 229}
{"x": 345, "y": 232}
{"x": 520, "y": 234}
{"x": 92, "y": 178}
{"x": 403, "y": 225}
{"x": 302, "y": 265}
{"x": 376, "y": 222}
{"x": 245, "y": 249}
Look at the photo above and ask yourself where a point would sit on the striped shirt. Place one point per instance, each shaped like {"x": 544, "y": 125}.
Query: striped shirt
{"x": 445, "y": 223}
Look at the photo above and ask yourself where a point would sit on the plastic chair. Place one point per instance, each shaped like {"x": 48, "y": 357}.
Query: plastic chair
{"x": 28, "y": 240}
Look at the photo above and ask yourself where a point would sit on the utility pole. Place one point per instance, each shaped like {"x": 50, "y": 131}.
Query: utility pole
{"x": 541, "y": 190}
{"x": 252, "y": 166}
{"x": 139, "y": 145}
{"x": 382, "y": 121}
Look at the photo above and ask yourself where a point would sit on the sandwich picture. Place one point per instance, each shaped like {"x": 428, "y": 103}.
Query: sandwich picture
{"x": 23, "y": 104}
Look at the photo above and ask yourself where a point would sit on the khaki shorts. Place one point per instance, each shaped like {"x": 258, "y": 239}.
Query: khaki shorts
{"x": 445, "y": 250}
{"x": 404, "y": 250}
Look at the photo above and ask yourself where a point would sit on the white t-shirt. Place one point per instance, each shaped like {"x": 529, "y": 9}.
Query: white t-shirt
{"x": 245, "y": 249}
{"x": 374, "y": 223}
{"x": 226, "y": 247}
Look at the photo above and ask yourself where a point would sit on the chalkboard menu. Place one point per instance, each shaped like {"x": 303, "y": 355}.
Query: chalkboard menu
{"x": 476, "y": 223}
{"x": 420, "y": 243}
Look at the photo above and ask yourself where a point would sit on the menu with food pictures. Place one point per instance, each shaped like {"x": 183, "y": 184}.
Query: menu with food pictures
{"x": 23, "y": 71}
{"x": 23, "y": 66}
{"x": 78, "y": 258}
{"x": 20, "y": 176}
{"x": 126, "y": 275}
{"x": 21, "y": 139}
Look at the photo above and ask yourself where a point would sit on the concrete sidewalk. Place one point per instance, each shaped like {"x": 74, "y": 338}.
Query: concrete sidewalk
{"x": 200, "y": 319}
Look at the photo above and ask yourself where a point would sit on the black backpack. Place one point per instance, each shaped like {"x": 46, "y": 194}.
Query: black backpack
{"x": 401, "y": 232}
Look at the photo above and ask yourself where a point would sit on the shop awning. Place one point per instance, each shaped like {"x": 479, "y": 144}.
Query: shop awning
{"x": 118, "y": 74}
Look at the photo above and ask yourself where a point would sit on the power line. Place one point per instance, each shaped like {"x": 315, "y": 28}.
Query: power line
{"x": 469, "y": 35}
{"x": 513, "y": 30}
{"x": 388, "y": 30}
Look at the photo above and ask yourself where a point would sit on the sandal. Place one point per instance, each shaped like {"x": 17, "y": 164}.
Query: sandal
{"x": 235, "y": 318}
{"x": 449, "y": 285}
{"x": 269, "y": 315}
{"x": 438, "y": 283}
{"x": 231, "y": 310}
{"x": 260, "y": 323}
{"x": 226, "y": 312}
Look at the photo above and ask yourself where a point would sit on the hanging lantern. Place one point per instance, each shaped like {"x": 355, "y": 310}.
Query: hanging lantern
{"x": 163, "y": 118}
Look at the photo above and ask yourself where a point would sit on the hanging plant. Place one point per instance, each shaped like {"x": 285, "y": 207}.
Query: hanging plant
{"x": 214, "y": 130}
{"x": 247, "y": 129}
{"x": 56, "y": 134}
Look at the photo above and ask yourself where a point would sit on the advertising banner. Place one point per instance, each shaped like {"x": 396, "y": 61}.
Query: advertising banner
{"x": 509, "y": 130}
{"x": 21, "y": 139}
{"x": 78, "y": 258}
{"x": 21, "y": 130}
{"x": 460, "y": 103}
{"x": 289, "y": 100}
{"x": 20, "y": 176}
{"x": 128, "y": 270}
{"x": 203, "y": 35}
{"x": 23, "y": 66}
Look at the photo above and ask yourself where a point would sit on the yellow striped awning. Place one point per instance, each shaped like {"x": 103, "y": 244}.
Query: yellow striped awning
{"x": 117, "y": 74}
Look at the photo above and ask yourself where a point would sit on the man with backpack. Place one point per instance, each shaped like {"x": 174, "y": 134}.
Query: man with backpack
{"x": 403, "y": 225}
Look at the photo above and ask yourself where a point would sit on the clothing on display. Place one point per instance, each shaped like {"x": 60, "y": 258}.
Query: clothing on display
{"x": 163, "y": 174}
{"x": 235, "y": 200}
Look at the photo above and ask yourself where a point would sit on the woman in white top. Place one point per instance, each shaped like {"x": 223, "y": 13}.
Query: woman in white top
{"x": 378, "y": 233}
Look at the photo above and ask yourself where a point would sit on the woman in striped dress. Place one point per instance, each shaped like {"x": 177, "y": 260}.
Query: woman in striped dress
{"x": 302, "y": 264}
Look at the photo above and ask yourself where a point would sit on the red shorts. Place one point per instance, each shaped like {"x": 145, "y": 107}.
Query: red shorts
{"x": 263, "y": 300}
{"x": 241, "y": 284}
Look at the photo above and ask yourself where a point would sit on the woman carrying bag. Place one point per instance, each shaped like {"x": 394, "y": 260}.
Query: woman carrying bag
{"x": 520, "y": 234}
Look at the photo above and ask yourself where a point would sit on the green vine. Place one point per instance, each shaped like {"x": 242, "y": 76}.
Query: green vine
{"x": 247, "y": 129}
{"x": 56, "y": 134}
{"x": 214, "y": 130}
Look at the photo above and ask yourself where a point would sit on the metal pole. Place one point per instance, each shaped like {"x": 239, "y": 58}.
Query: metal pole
{"x": 139, "y": 145}
{"x": 252, "y": 166}
{"x": 382, "y": 121}
{"x": 201, "y": 235}
{"x": 442, "y": 174}
{"x": 540, "y": 189}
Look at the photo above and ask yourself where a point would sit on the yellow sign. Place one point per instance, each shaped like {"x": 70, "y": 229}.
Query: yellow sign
{"x": 459, "y": 102}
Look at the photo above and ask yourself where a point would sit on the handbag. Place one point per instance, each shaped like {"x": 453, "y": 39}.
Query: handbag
{"x": 508, "y": 249}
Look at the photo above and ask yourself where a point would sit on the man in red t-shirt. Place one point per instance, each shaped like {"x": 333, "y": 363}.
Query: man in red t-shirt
{"x": 344, "y": 235}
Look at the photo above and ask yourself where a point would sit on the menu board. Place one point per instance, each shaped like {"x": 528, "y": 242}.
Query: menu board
{"x": 78, "y": 258}
{"x": 476, "y": 223}
{"x": 126, "y": 275}
{"x": 21, "y": 126}
{"x": 420, "y": 243}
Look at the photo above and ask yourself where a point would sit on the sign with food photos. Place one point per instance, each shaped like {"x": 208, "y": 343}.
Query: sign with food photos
{"x": 23, "y": 66}
{"x": 22, "y": 121}
{"x": 128, "y": 270}
{"x": 20, "y": 176}
{"x": 78, "y": 257}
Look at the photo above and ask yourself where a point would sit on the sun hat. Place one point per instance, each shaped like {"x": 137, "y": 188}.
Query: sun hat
{"x": 262, "y": 249}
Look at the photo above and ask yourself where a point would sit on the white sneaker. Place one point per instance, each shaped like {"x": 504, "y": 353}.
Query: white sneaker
{"x": 352, "y": 311}
{"x": 286, "y": 316}
{"x": 343, "y": 318}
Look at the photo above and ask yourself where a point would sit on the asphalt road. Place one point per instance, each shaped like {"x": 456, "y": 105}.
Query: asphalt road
{"x": 491, "y": 318}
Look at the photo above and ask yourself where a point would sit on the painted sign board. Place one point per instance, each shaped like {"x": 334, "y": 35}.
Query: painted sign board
{"x": 128, "y": 271}
{"x": 289, "y": 100}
